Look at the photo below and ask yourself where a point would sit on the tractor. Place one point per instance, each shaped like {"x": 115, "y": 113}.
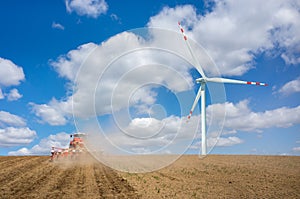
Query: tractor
{"x": 76, "y": 148}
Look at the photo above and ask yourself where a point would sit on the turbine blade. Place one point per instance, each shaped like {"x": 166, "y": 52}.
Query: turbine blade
{"x": 196, "y": 62}
{"x": 233, "y": 81}
{"x": 195, "y": 103}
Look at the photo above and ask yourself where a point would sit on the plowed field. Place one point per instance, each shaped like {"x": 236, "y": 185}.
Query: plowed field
{"x": 36, "y": 177}
{"x": 189, "y": 177}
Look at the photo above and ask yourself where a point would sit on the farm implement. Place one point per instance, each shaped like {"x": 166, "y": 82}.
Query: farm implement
{"x": 75, "y": 151}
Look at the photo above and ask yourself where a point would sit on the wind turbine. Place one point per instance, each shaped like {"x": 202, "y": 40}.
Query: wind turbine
{"x": 201, "y": 92}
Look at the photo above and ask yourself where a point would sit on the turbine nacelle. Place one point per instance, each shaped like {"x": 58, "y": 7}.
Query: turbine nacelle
{"x": 201, "y": 80}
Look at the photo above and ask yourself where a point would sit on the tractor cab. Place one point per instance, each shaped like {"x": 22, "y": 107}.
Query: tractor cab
{"x": 77, "y": 140}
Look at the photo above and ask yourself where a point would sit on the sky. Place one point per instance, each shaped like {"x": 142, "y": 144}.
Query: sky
{"x": 122, "y": 73}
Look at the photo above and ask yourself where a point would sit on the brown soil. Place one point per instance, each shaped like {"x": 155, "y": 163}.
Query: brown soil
{"x": 36, "y": 177}
{"x": 189, "y": 177}
{"x": 219, "y": 176}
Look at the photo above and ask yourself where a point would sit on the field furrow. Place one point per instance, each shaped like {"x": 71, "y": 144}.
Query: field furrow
{"x": 189, "y": 177}
{"x": 36, "y": 177}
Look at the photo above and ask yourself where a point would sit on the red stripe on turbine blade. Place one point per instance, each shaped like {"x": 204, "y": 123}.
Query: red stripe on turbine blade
{"x": 179, "y": 23}
{"x": 181, "y": 29}
{"x": 189, "y": 117}
{"x": 185, "y": 37}
{"x": 257, "y": 83}
{"x": 191, "y": 112}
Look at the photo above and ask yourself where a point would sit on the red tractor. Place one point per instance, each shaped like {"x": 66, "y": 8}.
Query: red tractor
{"x": 75, "y": 150}
{"x": 77, "y": 144}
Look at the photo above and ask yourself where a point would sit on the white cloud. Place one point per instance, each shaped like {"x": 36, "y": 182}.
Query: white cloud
{"x": 239, "y": 117}
{"x": 60, "y": 140}
{"x": 115, "y": 17}
{"x": 54, "y": 113}
{"x": 234, "y": 32}
{"x": 173, "y": 134}
{"x": 10, "y": 74}
{"x": 13, "y": 95}
{"x": 90, "y": 8}
{"x": 290, "y": 87}
{"x": 296, "y": 149}
{"x": 57, "y": 26}
{"x": 169, "y": 17}
{"x": 22, "y": 151}
{"x": 95, "y": 70}
{"x": 146, "y": 135}
{"x": 68, "y": 65}
{"x": 12, "y": 136}
{"x": 218, "y": 142}
{"x": 222, "y": 141}
{"x": 13, "y": 130}
{"x": 8, "y": 119}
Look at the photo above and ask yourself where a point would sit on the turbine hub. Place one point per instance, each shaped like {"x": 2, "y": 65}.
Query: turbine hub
{"x": 201, "y": 80}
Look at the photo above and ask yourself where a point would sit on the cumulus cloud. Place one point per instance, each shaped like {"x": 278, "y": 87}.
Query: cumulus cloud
{"x": 10, "y": 73}
{"x": 145, "y": 135}
{"x": 296, "y": 149}
{"x": 12, "y": 136}
{"x": 13, "y": 95}
{"x": 224, "y": 141}
{"x": 240, "y": 117}
{"x": 68, "y": 65}
{"x": 100, "y": 84}
{"x": 234, "y": 32}
{"x": 13, "y": 130}
{"x": 218, "y": 142}
{"x": 290, "y": 87}
{"x": 60, "y": 140}
{"x": 57, "y": 26}
{"x": 149, "y": 135}
{"x": 173, "y": 134}
{"x": 54, "y": 113}
{"x": 8, "y": 119}
{"x": 90, "y": 8}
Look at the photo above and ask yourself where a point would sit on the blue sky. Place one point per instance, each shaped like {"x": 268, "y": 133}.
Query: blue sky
{"x": 47, "y": 48}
